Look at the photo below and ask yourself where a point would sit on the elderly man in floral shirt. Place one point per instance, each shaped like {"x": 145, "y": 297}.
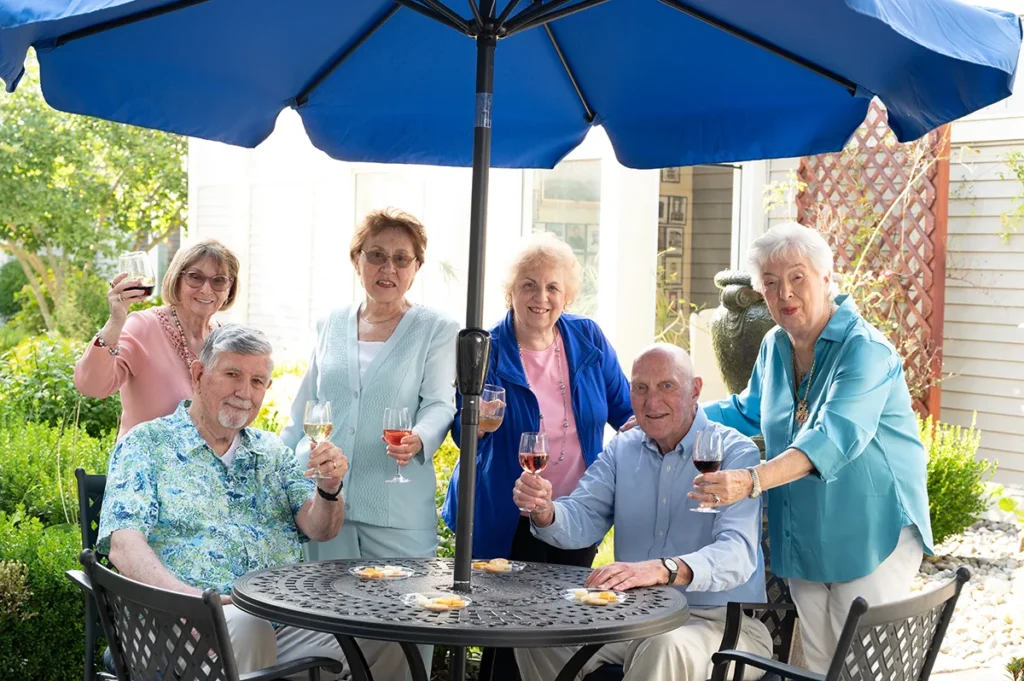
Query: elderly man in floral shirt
{"x": 196, "y": 499}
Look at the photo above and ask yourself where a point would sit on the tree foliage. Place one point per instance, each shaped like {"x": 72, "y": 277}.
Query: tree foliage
{"x": 75, "y": 190}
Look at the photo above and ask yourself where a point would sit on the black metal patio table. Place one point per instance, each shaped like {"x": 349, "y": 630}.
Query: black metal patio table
{"x": 526, "y": 609}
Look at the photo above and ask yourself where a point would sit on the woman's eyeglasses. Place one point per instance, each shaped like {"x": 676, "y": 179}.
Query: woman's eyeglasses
{"x": 218, "y": 283}
{"x": 378, "y": 258}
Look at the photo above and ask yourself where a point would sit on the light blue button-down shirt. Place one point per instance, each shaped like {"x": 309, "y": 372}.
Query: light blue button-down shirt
{"x": 871, "y": 481}
{"x": 643, "y": 493}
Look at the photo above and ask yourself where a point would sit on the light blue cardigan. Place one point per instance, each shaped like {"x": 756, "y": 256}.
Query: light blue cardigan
{"x": 415, "y": 368}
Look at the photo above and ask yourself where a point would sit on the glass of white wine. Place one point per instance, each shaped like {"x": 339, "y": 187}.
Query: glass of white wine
{"x": 318, "y": 427}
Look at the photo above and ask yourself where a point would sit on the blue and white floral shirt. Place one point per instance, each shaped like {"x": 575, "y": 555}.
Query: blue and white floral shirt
{"x": 207, "y": 523}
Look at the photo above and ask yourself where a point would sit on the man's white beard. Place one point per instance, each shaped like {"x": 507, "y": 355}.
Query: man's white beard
{"x": 230, "y": 416}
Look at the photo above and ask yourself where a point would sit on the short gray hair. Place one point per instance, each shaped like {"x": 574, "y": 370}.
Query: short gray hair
{"x": 546, "y": 248}
{"x": 236, "y": 338}
{"x": 791, "y": 241}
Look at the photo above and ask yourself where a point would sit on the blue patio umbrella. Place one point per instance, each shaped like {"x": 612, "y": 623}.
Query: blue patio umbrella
{"x": 673, "y": 82}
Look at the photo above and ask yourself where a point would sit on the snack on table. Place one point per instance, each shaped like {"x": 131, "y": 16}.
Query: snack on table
{"x": 381, "y": 572}
{"x": 438, "y": 603}
{"x": 496, "y": 565}
{"x": 594, "y": 597}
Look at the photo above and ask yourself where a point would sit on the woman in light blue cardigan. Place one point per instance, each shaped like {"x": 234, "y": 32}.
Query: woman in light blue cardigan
{"x": 383, "y": 352}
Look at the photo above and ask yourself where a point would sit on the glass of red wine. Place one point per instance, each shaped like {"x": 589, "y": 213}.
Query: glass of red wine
{"x": 397, "y": 425}
{"x": 137, "y": 266}
{"x": 707, "y": 458}
{"x": 533, "y": 455}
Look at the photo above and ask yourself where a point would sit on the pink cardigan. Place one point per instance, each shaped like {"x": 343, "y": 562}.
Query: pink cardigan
{"x": 149, "y": 372}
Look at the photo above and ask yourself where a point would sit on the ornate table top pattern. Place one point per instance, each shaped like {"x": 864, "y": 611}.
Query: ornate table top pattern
{"x": 523, "y": 609}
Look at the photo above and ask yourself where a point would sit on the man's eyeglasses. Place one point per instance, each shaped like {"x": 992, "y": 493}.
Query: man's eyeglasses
{"x": 378, "y": 258}
{"x": 218, "y": 283}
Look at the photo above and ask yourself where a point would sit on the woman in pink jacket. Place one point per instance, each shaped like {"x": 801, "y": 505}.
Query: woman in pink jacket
{"x": 146, "y": 355}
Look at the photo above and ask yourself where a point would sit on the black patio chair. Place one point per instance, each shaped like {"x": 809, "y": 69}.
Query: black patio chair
{"x": 894, "y": 642}
{"x": 90, "y": 502}
{"x": 159, "y": 634}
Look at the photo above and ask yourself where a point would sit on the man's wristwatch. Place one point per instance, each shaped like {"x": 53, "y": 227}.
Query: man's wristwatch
{"x": 327, "y": 495}
{"x": 755, "y": 483}
{"x": 673, "y": 568}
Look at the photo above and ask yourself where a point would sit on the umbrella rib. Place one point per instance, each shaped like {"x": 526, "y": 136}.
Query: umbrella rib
{"x": 848, "y": 84}
{"x": 572, "y": 78}
{"x": 532, "y": 12}
{"x": 505, "y": 12}
{"x": 476, "y": 16}
{"x": 325, "y": 72}
{"x": 518, "y": 25}
{"x": 457, "y": 22}
{"x": 125, "y": 21}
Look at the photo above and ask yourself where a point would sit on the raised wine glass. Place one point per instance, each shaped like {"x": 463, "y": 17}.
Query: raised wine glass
{"x": 318, "y": 427}
{"x": 137, "y": 266}
{"x": 533, "y": 455}
{"x": 397, "y": 425}
{"x": 492, "y": 408}
{"x": 707, "y": 458}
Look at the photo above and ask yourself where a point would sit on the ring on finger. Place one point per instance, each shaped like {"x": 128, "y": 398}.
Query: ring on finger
{"x": 717, "y": 499}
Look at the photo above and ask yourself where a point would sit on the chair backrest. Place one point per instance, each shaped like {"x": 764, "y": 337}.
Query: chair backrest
{"x": 159, "y": 634}
{"x": 897, "y": 641}
{"x": 90, "y": 502}
{"x": 780, "y": 623}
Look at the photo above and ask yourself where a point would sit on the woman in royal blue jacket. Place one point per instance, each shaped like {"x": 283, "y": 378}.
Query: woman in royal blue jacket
{"x": 561, "y": 377}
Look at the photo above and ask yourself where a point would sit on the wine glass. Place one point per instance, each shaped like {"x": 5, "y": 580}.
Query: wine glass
{"x": 533, "y": 455}
{"x": 397, "y": 425}
{"x": 707, "y": 458}
{"x": 492, "y": 408}
{"x": 137, "y": 266}
{"x": 318, "y": 427}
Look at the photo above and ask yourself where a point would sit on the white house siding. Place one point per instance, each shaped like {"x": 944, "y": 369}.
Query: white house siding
{"x": 712, "y": 231}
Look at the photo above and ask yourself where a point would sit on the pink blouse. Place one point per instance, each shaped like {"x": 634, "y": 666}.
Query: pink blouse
{"x": 542, "y": 372}
{"x": 151, "y": 372}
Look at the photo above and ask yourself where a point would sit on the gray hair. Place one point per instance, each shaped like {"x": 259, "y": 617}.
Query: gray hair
{"x": 546, "y": 248}
{"x": 236, "y": 338}
{"x": 791, "y": 241}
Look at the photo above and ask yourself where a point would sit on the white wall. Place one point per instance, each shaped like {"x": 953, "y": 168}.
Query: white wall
{"x": 289, "y": 211}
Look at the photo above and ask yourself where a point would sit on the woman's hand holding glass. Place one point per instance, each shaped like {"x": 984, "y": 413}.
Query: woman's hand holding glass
{"x": 492, "y": 409}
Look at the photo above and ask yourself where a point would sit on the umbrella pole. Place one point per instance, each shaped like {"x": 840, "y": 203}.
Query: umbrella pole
{"x": 474, "y": 341}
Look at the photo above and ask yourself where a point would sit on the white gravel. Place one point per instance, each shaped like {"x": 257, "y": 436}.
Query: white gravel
{"x": 988, "y": 624}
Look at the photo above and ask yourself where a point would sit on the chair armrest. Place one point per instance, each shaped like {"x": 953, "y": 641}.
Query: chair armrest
{"x": 280, "y": 671}
{"x": 786, "y": 671}
{"x": 79, "y": 579}
{"x": 734, "y": 619}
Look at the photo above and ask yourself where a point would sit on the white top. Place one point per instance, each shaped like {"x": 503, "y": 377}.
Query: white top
{"x": 229, "y": 456}
{"x": 367, "y": 352}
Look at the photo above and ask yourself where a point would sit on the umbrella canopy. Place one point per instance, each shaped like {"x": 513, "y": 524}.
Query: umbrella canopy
{"x": 669, "y": 87}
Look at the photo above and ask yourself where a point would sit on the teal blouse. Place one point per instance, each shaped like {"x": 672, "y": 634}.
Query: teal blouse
{"x": 862, "y": 437}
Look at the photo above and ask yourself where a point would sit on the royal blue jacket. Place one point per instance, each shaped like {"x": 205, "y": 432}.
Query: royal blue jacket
{"x": 600, "y": 395}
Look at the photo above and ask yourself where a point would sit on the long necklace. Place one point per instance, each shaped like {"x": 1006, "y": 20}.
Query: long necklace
{"x": 802, "y": 413}
{"x": 189, "y": 356}
{"x": 565, "y": 405}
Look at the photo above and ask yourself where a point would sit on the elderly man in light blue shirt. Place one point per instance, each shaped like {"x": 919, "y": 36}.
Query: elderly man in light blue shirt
{"x": 639, "y": 484}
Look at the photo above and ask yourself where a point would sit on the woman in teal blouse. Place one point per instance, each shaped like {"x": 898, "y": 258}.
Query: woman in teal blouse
{"x": 845, "y": 469}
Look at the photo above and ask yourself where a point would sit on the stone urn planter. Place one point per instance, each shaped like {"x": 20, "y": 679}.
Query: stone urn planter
{"x": 738, "y": 327}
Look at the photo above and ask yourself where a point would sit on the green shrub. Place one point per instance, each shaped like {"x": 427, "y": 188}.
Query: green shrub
{"x": 47, "y": 642}
{"x": 14, "y": 592}
{"x": 38, "y": 470}
{"x": 445, "y": 458}
{"x": 277, "y": 403}
{"x": 10, "y": 336}
{"x": 37, "y": 384}
{"x": 12, "y": 280}
{"x": 957, "y": 494}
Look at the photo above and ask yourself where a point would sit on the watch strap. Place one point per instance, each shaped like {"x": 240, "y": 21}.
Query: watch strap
{"x": 327, "y": 495}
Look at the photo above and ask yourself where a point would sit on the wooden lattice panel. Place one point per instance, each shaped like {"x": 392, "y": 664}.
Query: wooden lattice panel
{"x": 883, "y": 206}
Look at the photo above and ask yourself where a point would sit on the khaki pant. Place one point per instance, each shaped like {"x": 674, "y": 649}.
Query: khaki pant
{"x": 823, "y": 607}
{"x": 683, "y": 654}
{"x": 258, "y": 646}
